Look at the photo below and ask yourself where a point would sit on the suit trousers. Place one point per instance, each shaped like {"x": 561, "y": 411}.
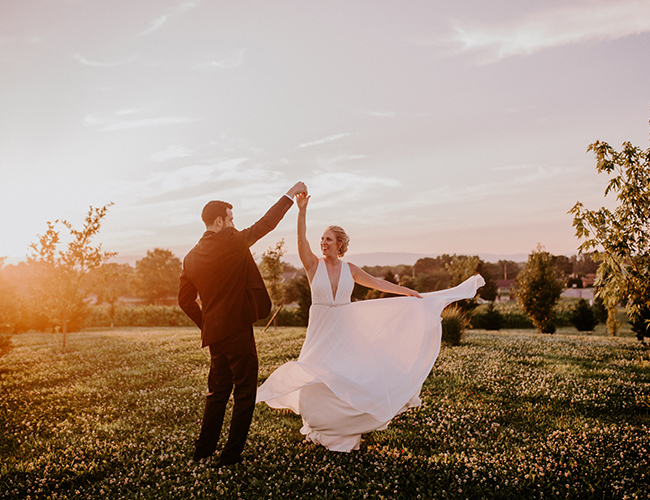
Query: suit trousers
{"x": 233, "y": 363}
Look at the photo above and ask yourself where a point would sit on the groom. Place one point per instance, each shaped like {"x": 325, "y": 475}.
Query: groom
{"x": 221, "y": 271}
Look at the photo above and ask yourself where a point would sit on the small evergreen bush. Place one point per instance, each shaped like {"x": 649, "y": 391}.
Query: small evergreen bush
{"x": 583, "y": 317}
{"x": 454, "y": 322}
{"x": 488, "y": 318}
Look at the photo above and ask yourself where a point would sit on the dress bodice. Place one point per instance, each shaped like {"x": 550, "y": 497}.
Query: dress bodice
{"x": 321, "y": 288}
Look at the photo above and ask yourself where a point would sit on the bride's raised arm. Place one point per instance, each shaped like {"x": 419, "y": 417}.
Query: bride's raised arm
{"x": 307, "y": 257}
{"x": 365, "y": 279}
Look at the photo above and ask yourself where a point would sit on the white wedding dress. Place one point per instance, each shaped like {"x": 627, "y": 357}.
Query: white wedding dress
{"x": 362, "y": 363}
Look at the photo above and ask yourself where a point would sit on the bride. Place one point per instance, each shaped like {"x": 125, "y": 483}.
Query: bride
{"x": 362, "y": 363}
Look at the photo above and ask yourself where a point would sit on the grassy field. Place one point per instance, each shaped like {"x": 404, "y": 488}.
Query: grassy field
{"x": 510, "y": 414}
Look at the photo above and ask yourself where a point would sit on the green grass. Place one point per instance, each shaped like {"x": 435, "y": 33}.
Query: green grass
{"x": 509, "y": 414}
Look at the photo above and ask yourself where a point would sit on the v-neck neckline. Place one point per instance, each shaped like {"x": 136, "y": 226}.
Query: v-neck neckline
{"x": 338, "y": 282}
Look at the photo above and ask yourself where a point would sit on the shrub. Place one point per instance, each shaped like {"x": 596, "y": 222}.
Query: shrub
{"x": 517, "y": 319}
{"x": 454, "y": 322}
{"x": 288, "y": 316}
{"x": 600, "y": 311}
{"x": 641, "y": 324}
{"x": 583, "y": 317}
{"x": 513, "y": 316}
{"x": 488, "y": 318}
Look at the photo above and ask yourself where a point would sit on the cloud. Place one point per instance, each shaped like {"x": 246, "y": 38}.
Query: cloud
{"x": 334, "y": 162}
{"x": 147, "y": 122}
{"x": 381, "y": 114}
{"x": 88, "y": 62}
{"x": 324, "y": 140}
{"x": 174, "y": 11}
{"x": 162, "y": 185}
{"x": 128, "y": 111}
{"x": 508, "y": 168}
{"x": 229, "y": 144}
{"x": 359, "y": 189}
{"x": 236, "y": 59}
{"x": 173, "y": 151}
{"x": 110, "y": 123}
{"x": 93, "y": 120}
{"x": 391, "y": 114}
{"x": 516, "y": 180}
{"x": 591, "y": 21}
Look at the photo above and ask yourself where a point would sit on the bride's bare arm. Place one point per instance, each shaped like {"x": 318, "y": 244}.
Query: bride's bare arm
{"x": 365, "y": 279}
{"x": 307, "y": 257}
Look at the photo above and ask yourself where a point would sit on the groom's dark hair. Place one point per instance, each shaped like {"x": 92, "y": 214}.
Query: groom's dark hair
{"x": 214, "y": 209}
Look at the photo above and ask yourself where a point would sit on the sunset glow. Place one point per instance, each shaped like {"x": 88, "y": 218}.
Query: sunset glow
{"x": 420, "y": 127}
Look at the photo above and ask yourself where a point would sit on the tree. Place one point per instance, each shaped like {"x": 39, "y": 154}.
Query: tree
{"x": 460, "y": 268}
{"x": 9, "y": 308}
{"x": 389, "y": 276}
{"x": 538, "y": 289}
{"x": 490, "y": 290}
{"x": 60, "y": 274}
{"x": 360, "y": 292}
{"x": 428, "y": 265}
{"x": 21, "y": 298}
{"x": 491, "y": 272}
{"x": 621, "y": 238}
{"x": 110, "y": 282}
{"x": 156, "y": 275}
{"x": 564, "y": 265}
{"x": 271, "y": 269}
{"x": 298, "y": 291}
{"x": 585, "y": 263}
{"x": 430, "y": 282}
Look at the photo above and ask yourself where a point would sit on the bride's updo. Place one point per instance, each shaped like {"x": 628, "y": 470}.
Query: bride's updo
{"x": 342, "y": 237}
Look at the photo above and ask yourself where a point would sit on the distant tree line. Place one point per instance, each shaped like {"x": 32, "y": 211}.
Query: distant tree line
{"x": 53, "y": 290}
{"x": 428, "y": 274}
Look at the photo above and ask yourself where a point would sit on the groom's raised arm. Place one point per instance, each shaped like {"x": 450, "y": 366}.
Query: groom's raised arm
{"x": 272, "y": 217}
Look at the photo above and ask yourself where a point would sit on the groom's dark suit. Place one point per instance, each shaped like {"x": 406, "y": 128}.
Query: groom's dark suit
{"x": 221, "y": 270}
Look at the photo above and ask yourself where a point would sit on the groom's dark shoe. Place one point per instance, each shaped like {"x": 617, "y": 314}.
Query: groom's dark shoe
{"x": 202, "y": 452}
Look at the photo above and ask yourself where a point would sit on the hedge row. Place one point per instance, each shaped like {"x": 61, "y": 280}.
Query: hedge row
{"x": 138, "y": 316}
{"x": 100, "y": 316}
{"x": 486, "y": 316}
{"x": 494, "y": 316}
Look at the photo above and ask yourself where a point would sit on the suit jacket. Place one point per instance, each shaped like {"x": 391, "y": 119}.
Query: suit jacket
{"x": 221, "y": 269}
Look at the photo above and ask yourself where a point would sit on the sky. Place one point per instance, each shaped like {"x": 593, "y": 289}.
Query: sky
{"x": 421, "y": 127}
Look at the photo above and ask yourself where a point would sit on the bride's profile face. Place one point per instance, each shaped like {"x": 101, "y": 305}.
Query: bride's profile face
{"x": 329, "y": 246}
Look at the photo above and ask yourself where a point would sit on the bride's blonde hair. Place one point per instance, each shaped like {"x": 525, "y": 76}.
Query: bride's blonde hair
{"x": 342, "y": 237}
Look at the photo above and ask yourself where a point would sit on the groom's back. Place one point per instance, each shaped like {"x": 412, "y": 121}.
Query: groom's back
{"x": 218, "y": 267}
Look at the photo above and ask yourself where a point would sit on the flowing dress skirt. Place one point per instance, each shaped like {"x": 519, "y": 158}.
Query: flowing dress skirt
{"x": 361, "y": 364}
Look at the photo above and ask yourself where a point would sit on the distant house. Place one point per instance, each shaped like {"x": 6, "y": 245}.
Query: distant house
{"x": 580, "y": 293}
{"x": 589, "y": 280}
{"x": 505, "y": 290}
